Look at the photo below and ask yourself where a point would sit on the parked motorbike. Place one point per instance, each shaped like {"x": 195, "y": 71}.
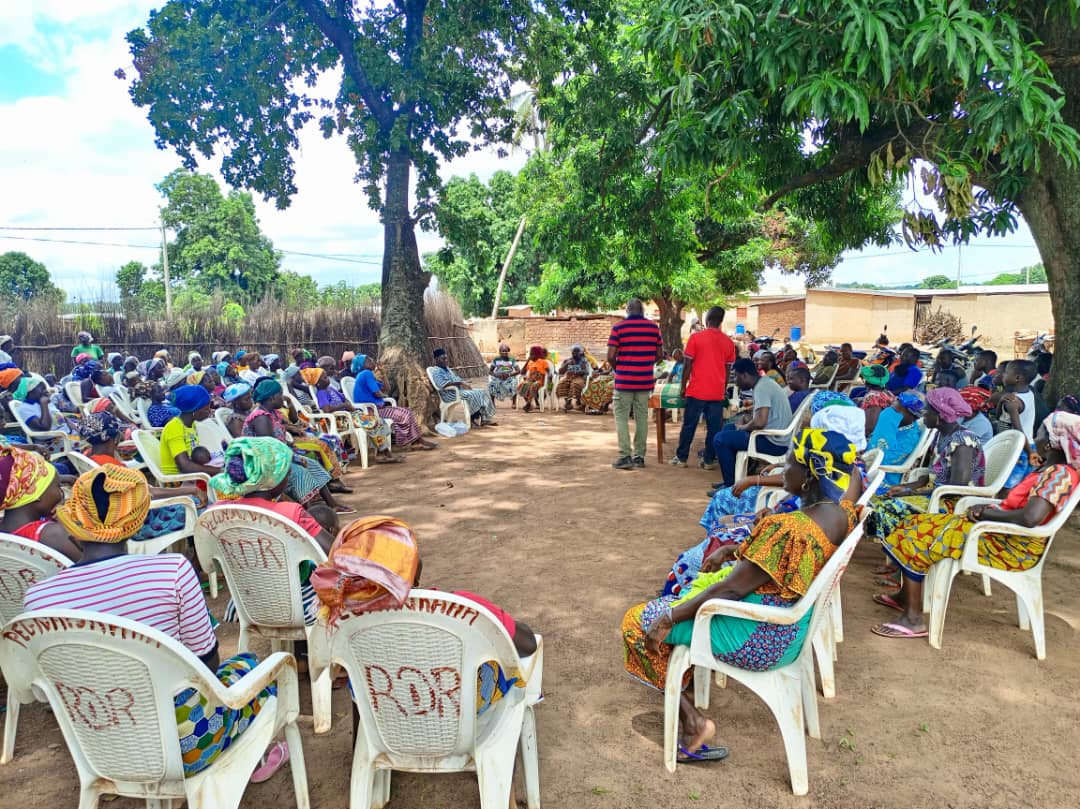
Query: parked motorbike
{"x": 1039, "y": 346}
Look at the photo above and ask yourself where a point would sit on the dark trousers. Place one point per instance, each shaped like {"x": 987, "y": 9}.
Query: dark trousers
{"x": 729, "y": 442}
{"x": 693, "y": 411}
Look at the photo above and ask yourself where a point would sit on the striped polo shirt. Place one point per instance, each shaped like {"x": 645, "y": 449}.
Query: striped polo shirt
{"x": 637, "y": 341}
{"x": 161, "y": 591}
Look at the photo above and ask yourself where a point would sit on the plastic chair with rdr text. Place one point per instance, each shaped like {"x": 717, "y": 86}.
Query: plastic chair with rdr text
{"x": 111, "y": 681}
{"x": 414, "y": 681}
{"x": 788, "y": 690}
{"x": 260, "y": 553}
{"x": 22, "y": 563}
{"x": 1026, "y": 584}
{"x": 446, "y": 406}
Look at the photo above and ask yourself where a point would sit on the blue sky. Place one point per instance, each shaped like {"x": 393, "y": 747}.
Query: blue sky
{"x": 74, "y": 152}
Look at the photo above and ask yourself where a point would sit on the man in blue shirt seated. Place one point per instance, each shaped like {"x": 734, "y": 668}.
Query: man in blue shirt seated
{"x": 798, "y": 382}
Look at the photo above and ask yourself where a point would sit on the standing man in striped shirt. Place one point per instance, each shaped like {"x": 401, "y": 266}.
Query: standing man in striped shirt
{"x": 634, "y": 347}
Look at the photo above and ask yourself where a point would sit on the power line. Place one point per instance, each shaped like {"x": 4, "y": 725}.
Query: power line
{"x": 12, "y": 227}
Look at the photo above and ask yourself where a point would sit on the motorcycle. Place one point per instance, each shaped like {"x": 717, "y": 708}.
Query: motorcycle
{"x": 1040, "y": 346}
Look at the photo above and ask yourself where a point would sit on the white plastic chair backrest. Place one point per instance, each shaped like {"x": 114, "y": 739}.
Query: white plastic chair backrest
{"x": 73, "y": 390}
{"x": 260, "y": 553}
{"x": 141, "y": 406}
{"x": 211, "y": 435}
{"x": 110, "y": 682}
{"x": 222, "y": 416}
{"x": 872, "y": 459}
{"x": 824, "y": 584}
{"x": 22, "y": 564}
{"x": 873, "y": 483}
{"x": 121, "y": 394}
{"x": 925, "y": 445}
{"x": 414, "y": 671}
{"x": 81, "y": 462}
{"x": 123, "y": 404}
{"x": 347, "y": 383}
{"x": 149, "y": 448}
{"x": 798, "y": 415}
{"x": 431, "y": 378}
{"x": 1002, "y": 452}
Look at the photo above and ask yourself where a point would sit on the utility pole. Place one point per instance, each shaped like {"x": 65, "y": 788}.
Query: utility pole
{"x": 505, "y": 266}
{"x": 165, "y": 273}
{"x": 1028, "y": 281}
{"x": 959, "y": 253}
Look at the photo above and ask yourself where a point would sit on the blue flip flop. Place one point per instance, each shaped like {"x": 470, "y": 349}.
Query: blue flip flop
{"x": 703, "y": 754}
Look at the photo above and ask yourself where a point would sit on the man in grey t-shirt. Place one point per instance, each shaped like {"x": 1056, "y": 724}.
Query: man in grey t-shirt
{"x": 771, "y": 412}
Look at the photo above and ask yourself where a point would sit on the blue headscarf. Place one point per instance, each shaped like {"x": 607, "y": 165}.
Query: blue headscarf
{"x": 235, "y": 391}
{"x": 912, "y": 403}
{"x": 86, "y": 370}
{"x": 829, "y": 398}
{"x": 358, "y": 364}
{"x": 189, "y": 398}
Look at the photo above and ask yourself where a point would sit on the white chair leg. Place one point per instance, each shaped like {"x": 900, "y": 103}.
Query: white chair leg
{"x": 808, "y": 695}
{"x": 701, "y": 688}
{"x": 788, "y": 710}
{"x": 11, "y": 724}
{"x": 939, "y": 599}
{"x": 823, "y": 652}
{"x": 381, "y": 793}
{"x": 495, "y": 772}
{"x": 321, "y": 697}
{"x": 1029, "y": 599}
{"x": 243, "y": 643}
{"x": 720, "y": 680}
{"x": 530, "y": 760}
{"x": 1021, "y": 614}
{"x": 680, "y": 659}
{"x": 986, "y": 585}
{"x": 297, "y": 766}
{"x": 837, "y": 616}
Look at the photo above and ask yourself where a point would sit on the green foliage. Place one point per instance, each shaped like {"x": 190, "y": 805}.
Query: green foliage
{"x": 478, "y": 221}
{"x": 938, "y": 282}
{"x": 293, "y": 289}
{"x": 22, "y": 277}
{"x": 1036, "y": 274}
{"x": 233, "y": 312}
{"x": 218, "y": 244}
{"x": 344, "y": 296}
{"x": 859, "y": 91}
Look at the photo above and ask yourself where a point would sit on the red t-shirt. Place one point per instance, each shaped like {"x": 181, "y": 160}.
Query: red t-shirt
{"x": 712, "y": 351}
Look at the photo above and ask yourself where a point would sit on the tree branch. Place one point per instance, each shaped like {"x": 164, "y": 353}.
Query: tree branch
{"x": 414, "y": 31}
{"x": 1057, "y": 58}
{"x": 335, "y": 30}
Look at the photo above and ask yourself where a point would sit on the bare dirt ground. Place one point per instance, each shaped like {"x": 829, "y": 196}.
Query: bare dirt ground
{"x": 531, "y": 515}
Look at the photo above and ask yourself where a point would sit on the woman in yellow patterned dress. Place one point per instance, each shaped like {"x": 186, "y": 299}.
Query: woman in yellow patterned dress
{"x": 923, "y": 540}
{"x": 775, "y": 567}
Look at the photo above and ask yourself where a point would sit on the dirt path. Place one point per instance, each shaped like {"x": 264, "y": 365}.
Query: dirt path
{"x": 531, "y": 515}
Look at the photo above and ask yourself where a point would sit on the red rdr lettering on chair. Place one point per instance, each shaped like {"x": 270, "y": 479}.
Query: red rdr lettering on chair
{"x": 258, "y": 552}
{"x": 97, "y": 711}
{"x": 415, "y": 692}
{"x": 15, "y": 583}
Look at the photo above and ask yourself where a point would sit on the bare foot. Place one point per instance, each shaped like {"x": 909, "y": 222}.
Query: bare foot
{"x": 704, "y": 733}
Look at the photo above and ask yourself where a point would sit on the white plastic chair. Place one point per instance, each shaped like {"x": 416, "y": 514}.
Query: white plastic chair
{"x": 124, "y": 406}
{"x": 73, "y": 390}
{"x": 22, "y": 564}
{"x": 149, "y": 446}
{"x": 339, "y": 425}
{"x": 70, "y": 442}
{"x": 141, "y": 408}
{"x": 222, "y": 416}
{"x": 260, "y": 553}
{"x": 110, "y": 682}
{"x": 413, "y": 673}
{"x": 1002, "y": 452}
{"x": 359, "y": 433}
{"x": 788, "y": 691}
{"x": 832, "y": 378}
{"x": 915, "y": 458}
{"x": 776, "y": 437}
{"x": 446, "y": 406}
{"x": 1026, "y": 584}
{"x": 213, "y": 435}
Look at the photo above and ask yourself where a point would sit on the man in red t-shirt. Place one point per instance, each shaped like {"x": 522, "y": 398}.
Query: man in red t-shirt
{"x": 709, "y": 353}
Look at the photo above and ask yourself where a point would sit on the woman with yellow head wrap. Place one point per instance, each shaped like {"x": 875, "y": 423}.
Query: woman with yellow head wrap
{"x": 29, "y": 494}
{"x": 775, "y": 567}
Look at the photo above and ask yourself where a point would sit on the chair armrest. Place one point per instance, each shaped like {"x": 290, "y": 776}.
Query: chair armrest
{"x": 389, "y": 402}
{"x": 180, "y": 477}
{"x": 964, "y": 503}
{"x": 743, "y": 609}
{"x": 279, "y": 667}
{"x": 917, "y": 472}
{"x": 952, "y": 491}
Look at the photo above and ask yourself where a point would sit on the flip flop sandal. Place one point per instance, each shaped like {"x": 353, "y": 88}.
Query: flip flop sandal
{"x": 271, "y": 762}
{"x": 885, "y": 570}
{"x": 886, "y": 600}
{"x": 886, "y": 582}
{"x": 897, "y": 631}
{"x": 344, "y": 510}
{"x": 703, "y": 754}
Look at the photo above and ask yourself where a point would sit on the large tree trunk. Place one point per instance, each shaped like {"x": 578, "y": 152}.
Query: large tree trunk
{"x": 1051, "y": 207}
{"x": 671, "y": 322}
{"x": 405, "y": 350}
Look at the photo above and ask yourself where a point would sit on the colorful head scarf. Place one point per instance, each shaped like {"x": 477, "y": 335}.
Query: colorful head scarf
{"x": 265, "y": 388}
{"x": 358, "y": 364}
{"x": 175, "y": 377}
{"x": 311, "y": 375}
{"x": 99, "y": 428}
{"x": 24, "y": 477}
{"x": 1068, "y": 403}
{"x": 9, "y": 376}
{"x": 85, "y": 370}
{"x": 190, "y": 398}
{"x": 850, "y": 422}
{"x": 108, "y": 504}
{"x": 270, "y": 359}
{"x": 235, "y": 391}
{"x": 82, "y": 357}
{"x": 829, "y": 457}
{"x": 26, "y": 385}
{"x": 100, "y": 405}
{"x": 146, "y": 366}
{"x": 978, "y": 399}
{"x": 290, "y": 372}
{"x": 347, "y": 357}
{"x": 371, "y": 566}
{"x": 144, "y": 389}
{"x": 829, "y": 398}
{"x": 162, "y": 354}
{"x": 949, "y": 404}
{"x": 194, "y": 355}
{"x": 253, "y": 465}
{"x": 1063, "y": 430}
{"x": 875, "y": 376}
{"x": 196, "y": 377}
{"x": 913, "y": 403}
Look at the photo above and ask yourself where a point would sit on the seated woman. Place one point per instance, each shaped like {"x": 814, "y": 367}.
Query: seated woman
{"x": 481, "y": 407}
{"x": 573, "y": 374}
{"x": 108, "y": 506}
{"x": 152, "y": 370}
{"x": 367, "y": 389}
{"x": 307, "y": 478}
{"x": 958, "y": 461}
{"x": 502, "y": 377}
{"x": 775, "y": 566}
{"x": 332, "y": 400}
{"x": 373, "y": 564}
{"x": 898, "y": 432}
{"x": 534, "y": 377}
{"x": 907, "y": 375}
{"x": 597, "y": 397}
{"x": 922, "y": 540}
{"x": 825, "y": 371}
{"x": 29, "y": 494}
{"x": 32, "y": 403}
{"x": 238, "y": 397}
{"x": 874, "y": 398}
{"x": 83, "y": 373}
{"x": 180, "y": 439}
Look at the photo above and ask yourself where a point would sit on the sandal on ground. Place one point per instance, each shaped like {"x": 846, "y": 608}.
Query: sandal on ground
{"x": 887, "y": 582}
{"x": 387, "y": 459}
{"x": 701, "y": 755}
{"x": 339, "y": 488}
{"x": 887, "y": 600}
{"x": 885, "y": 570}
{"x": 897, "y": 631}
{"x": 344, "y": 510}
{"x": 271, "y": 762}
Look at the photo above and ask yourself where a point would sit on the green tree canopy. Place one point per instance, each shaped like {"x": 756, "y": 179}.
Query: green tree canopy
{"x": 938, "y": 282}
{"x": 1035, "y": 274}
{"x": 218, "y": 244}
{"x": 22, "y": 277}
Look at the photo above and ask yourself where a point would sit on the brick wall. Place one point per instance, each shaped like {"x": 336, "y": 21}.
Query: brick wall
{"x": 781, "y": 315}
{"x": 555, "y": 333}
